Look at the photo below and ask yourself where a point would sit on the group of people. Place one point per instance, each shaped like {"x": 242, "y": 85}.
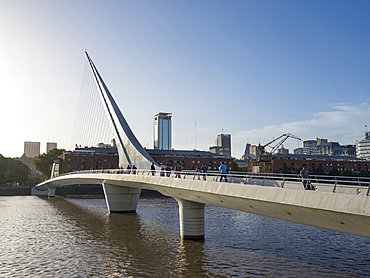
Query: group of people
{"x": 166, "y": 170}
{"x": 128, "y": 169}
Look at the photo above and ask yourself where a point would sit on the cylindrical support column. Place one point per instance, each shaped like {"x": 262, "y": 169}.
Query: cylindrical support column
{"x": 191, "y": 219}
{"x": 51, "y": 192}
{"x": 120, "y": 198}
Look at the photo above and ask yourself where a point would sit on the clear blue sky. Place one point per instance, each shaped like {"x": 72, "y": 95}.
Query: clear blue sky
{"x": 254, "y": 69}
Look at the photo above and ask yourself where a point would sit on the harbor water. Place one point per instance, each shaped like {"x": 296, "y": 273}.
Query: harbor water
{"x": 67, "y": 237}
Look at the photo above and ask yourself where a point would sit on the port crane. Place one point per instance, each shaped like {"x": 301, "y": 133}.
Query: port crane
{"x": 264, "y": 159}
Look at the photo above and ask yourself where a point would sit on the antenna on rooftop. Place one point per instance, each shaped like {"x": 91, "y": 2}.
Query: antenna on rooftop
{"x": 195, "y": 134}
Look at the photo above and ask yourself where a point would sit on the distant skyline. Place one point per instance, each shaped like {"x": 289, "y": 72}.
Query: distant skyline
{"x": 254, "y": 69}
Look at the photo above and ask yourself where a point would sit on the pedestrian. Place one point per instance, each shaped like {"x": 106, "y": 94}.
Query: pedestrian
{"x": 134, "y": 169}
{"x": 178, "y": 169}
{"x": 128, "y": 171}
{"x": 204, "y": 171}
{"x": 198, "y": 172}
{"x": 152, "y": 168}
{"x": 305, "y": 177}
{"x": 223, "y": 171}
{"x": 163, "y": 168}
{"x": 168, "y": 170}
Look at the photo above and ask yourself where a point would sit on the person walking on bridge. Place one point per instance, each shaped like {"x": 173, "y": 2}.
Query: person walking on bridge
{"x": 152, "y": 168}
{"x": 204, "y": 171}
{"x": 305, "y": 177}
{"x": 223, "y": 171}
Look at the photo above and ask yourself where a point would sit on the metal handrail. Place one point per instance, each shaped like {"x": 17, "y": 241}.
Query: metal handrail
{"x": 243, "y": 177}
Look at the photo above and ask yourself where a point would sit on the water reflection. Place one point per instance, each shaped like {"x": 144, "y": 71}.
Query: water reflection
{"x": 78, "y": 238}
{"x": 190, "y": 259}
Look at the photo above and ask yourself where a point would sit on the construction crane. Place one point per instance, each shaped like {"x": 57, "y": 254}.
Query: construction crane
{"x": 264, "y": 159}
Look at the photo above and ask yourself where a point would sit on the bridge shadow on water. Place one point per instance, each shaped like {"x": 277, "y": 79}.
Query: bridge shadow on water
{"x": 147, "y": 244}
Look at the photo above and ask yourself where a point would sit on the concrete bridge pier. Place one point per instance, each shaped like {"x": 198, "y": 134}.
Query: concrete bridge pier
{"x": 51, "y": 192}
{"x": 191, "y": 219}
{"x": 120, "y": 198}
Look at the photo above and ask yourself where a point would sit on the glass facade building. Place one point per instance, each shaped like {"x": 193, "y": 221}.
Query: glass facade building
{"x": 163, "y": 131}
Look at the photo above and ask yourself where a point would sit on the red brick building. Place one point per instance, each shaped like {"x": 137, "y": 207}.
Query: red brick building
{"x": 189, "y": 160}
{"x": 107, "y": 158}
{"x": 295, "y": 165}
{"x": 87, "y": 160}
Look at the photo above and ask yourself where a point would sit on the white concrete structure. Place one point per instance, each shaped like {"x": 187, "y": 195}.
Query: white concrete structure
{"x": 129, "y": 148}
{"x": 343, "y": 211}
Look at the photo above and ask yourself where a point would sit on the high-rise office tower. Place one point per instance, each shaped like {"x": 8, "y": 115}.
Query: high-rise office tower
{"x": 223, "y": 145}
{"x": 224, "y": 141}
{"x": 31, "y": 149}
{"x": 50, "y": 146}
{"x": 163, "y": 131}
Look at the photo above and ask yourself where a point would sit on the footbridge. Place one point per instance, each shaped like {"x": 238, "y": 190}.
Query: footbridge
{"x": 336, "y": 205}
{"x": 341, "y": 206}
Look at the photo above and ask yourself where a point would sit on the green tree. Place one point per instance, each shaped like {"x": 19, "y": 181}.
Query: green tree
{"x": 18, "y": 172}
{"x": 349, "y": 173}
{"x": 13, "y": 171}
{"x": 335, "y": 172}
{"x": 319, "y": 171}
{"x": 44, "y": 162}
{"x": 286, "y": 170}
{"x": 236, "y": 166}
{"x": 364, "y": 173}
{"x": 3, "y": 168}
{"x": 243, "y": 169}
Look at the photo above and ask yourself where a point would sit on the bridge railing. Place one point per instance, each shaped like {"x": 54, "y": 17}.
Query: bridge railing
{"x": 335, "y": 184}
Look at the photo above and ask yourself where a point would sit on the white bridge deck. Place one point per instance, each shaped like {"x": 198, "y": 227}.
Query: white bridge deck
{"x": 347, "y": 210}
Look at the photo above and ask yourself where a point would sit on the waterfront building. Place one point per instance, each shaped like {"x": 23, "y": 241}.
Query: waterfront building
{"x": 190, "y": 159}
{"x": 293, "y": 163}
{"x": 363, "y": 147}
{"x": 50, "y": 146}
{"x": 301, "y": 151}
{"x": 31, "y": 149}
{"x": 163, "y": 131}
{"x": 324, "y": 147}
{"x": 223, "y": 145}
{"x": 282, "y": 150}
{"x": 89, "y": 158}
{"x": 251, "y": 152}
{"x": 106, "y": 157}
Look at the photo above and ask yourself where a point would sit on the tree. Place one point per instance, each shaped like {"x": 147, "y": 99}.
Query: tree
{"x": 364, "y": 173}
{"x": 13, "y": 171}
{"x": 335, "y": 172}
{"x": 349, "y": 173}
{"x": 319, "y": 171}
{"x": 44, "y": 162}
{"x": 285, "y": 170}
{"x": 236, "y": 166}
